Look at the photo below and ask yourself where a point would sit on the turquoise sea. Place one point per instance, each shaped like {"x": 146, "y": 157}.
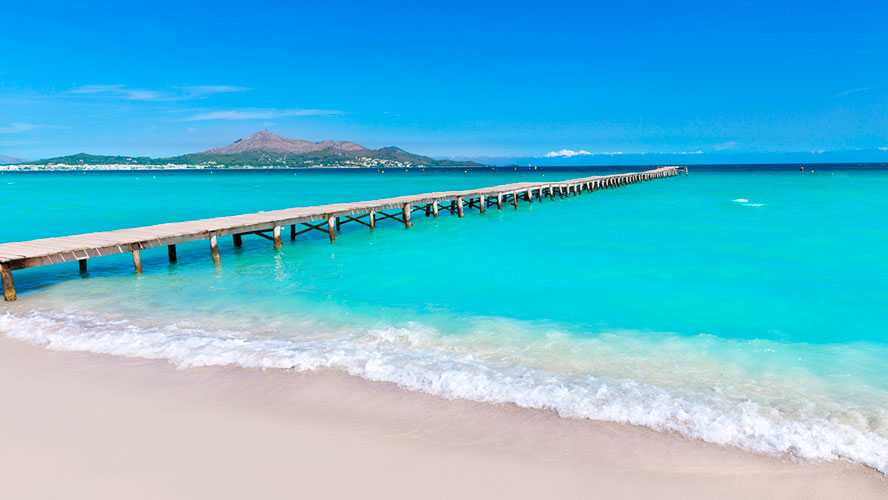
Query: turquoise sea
{"x": 743, "y": 306}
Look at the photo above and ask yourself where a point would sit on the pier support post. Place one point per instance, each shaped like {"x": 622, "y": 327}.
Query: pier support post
{"x": 337, "y": 224}
{"x": 238, "y": 239}
{"x": 137, "y": 261}
{"x": 277, "y": 238}
{"x": 406, "y": 211}
{"x": 499, "y": 201}
{"x": 171, "y": 252}
{"x": 372, "y": 219}
{"x": 292, "y": 232}
{"x": 482, "y": 201}
{"x": 82, "y": 263}
{"x": 214, "y": 249}
{"x": 8, "y": 285}
{"x": 331, "y": 228}
{"x": 435, "y": 208}
{"x": 459, "y": 206}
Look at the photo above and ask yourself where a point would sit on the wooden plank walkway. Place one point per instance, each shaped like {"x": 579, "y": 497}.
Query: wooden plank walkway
{"x": 327, "y": 218}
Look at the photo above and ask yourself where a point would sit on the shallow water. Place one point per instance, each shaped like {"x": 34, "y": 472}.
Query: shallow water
{"x": 742, "y": 306}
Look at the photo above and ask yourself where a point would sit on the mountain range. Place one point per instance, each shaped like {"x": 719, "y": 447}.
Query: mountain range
{"x": 265, "y": 149}
{"x": 9, "y": 160}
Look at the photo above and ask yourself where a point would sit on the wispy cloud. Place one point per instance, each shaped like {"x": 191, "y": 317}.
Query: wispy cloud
{"x": 206, "y": 90}
{"x": 17, "y": 127}
{"x": 884, "y": 148}
{"x": 725, "y": 145}
{"x": 698, "y": 152}
{"x": 258, "y": 114}
{"x": 119, "y": 91}
{"x": 566, "y": 153}
{"x": 852, "y": 91}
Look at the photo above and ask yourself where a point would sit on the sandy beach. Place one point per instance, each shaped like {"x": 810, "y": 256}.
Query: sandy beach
{"x": 90, "y": 426}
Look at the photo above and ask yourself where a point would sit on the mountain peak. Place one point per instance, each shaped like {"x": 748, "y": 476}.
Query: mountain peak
{"x": 268, "y": 142}
{"x": 264, "y": 133}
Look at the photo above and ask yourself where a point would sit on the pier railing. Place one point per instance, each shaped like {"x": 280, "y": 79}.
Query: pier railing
{"x": 269, "y": 225}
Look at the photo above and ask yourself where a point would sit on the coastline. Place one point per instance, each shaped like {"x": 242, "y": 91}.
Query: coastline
{"x": 103, "y": 424}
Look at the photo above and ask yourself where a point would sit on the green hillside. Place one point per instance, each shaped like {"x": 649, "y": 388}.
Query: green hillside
{"x": 321, "y": 158}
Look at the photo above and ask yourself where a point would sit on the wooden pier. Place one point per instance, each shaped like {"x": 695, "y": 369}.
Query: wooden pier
{"x": 269, "y": 225}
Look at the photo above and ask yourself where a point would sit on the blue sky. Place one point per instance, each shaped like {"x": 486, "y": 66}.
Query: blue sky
{"x": 638, "y": 82}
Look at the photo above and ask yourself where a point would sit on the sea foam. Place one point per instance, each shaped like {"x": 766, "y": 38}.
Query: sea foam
{"x": 405, "y": 356}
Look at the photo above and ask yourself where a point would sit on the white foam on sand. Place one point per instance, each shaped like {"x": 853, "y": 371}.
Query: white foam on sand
{"x": 409, "y": 358}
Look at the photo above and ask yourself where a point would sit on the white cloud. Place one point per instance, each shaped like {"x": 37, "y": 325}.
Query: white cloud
{"x": 258, "y": 114}
{"x": 725, "y": 145}
{"x": 852, "y": 91}
{"x": 205, "y": 90}
{"x": 884, "y": 148}
{"x": 567, "y": 153}
{"x": 17, "y": 127}
{"x": 119, "y": 91}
